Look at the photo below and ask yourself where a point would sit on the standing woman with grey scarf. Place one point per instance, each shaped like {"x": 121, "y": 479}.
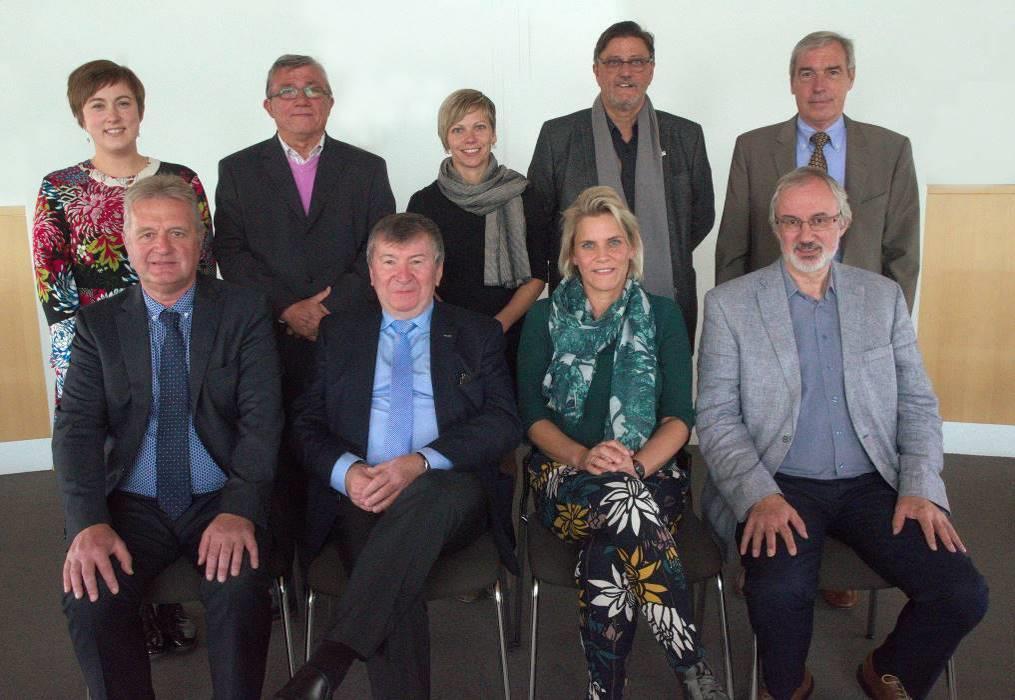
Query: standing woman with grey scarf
{"x": 493, "y": 264}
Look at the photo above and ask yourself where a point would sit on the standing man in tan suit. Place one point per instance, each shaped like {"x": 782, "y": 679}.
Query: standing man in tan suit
{"x": 874, "y": 165}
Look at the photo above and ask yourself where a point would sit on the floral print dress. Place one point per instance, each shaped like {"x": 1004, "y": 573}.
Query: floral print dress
{"x": 77, "y": 244}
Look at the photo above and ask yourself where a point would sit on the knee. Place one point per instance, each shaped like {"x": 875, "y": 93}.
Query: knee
{"x": 779, "y": 589}
{"x": 85, "y": 613}
{"x": 965, "y": 601}
{"x": 249, "y": 587}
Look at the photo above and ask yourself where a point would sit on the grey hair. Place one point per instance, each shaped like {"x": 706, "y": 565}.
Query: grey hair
{"x": 593, "y": 202}
{"x": 815, "y": 40}
{"x": 801, "y": 176}
{"x": 399, "y": 229}
{"x": 293, "y": 60}
{"x": 161, "y": 187}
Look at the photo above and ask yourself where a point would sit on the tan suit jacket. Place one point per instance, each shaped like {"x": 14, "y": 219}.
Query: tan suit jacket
{"x": 880, "y": 180}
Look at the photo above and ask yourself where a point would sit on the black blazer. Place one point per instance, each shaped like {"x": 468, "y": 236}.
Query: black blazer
{"x": 234, "y": 392}
{"x": 473, "y": 399}
{"x": 564, "y": 164}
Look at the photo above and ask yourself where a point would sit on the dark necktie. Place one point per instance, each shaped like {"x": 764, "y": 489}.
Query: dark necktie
{"x": 398, "y": 439}
{"x": 172, "y": 448}
{"x": 819, "y": 139}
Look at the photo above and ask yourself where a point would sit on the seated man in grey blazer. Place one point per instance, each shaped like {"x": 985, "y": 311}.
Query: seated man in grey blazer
{"x": 656, "y": 162}
{"x": 875, "y": 166}
{"x": 164, "y": 446}
{"x": 816, "y": 419}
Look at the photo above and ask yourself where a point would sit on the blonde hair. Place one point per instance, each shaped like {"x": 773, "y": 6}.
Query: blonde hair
{"x": 459, "y": 103}
{"x": 593, "y": 202}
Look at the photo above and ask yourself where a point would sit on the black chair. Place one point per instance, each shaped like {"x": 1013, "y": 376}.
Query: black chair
{"x": 843, "y": 569}
{"x": 472, "y": 568}
{"x": 552, "y": 561}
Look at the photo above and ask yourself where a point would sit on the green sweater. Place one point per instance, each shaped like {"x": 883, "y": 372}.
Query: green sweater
{"x": 673, "y": 380}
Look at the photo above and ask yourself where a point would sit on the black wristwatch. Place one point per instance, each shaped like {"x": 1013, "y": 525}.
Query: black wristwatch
{"x": 639, "y": 469}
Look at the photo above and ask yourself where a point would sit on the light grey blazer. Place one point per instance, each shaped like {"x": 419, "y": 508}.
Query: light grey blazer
{"x": 749, "y": 389}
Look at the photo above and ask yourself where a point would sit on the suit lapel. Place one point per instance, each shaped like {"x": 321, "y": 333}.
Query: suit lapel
{"x": 585, "y": 150}
{"x": 784, "y": 151}
{"x": 203, "y": 329}
{"x": 858, "y": 170}
{"x": 329, "y": 169}
{"x": 774, "y": 308}
{"x": 852, "y": 298}
{"x": 132, "y": 326}
{"x": 443, "y": 365}
{"x": 359, "y": 390}
{"x": 275, "y": 164}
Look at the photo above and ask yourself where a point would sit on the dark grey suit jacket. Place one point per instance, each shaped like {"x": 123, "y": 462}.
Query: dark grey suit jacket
{"x": 880, "y": 180}
{"x": 564, "y": 164}
{"x": 234, "y": 394}
{"x": 473, "y": 398}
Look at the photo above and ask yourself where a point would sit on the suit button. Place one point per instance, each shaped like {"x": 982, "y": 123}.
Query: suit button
{"x": 786, "y": 438}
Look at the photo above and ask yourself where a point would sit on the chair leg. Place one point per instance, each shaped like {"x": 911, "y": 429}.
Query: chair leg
{"x": 311, "y": 602}
{"x": 532, "y": 652}
{"x": 754, "y": 671}
{"x": 523, "y": 536}
{"x": 724, "y": 632}
{"x": 872, "y": 613}
{"x": 953, "y": 688}
{"x": 498, "y": 599}
{"x": 287, "y": 631}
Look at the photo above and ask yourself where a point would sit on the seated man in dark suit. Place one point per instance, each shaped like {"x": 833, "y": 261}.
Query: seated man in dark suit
{"x": 402, "y": 429}
{"x": 164, "y": 446}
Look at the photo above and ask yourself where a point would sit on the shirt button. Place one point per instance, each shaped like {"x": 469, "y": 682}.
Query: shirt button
{"x": 786, "y": 438}
{"x": 835, "y": 399}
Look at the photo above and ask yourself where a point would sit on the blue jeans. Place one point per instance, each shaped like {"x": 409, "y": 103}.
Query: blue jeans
{"x": 947, "y": 595}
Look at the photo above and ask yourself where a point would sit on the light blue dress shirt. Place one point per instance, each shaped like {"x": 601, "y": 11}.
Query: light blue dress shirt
{"x": 825, "y": 444}
{"x": 205, "y": 475}
{"x": 424, "y": 416}
{"x": 835, "y": 149}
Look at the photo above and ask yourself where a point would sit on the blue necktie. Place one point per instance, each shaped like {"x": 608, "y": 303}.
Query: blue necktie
{"x": 398, "y": 438}
{"x": 172, "y": 448}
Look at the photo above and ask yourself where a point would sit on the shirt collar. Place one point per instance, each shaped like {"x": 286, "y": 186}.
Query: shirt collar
{"x": 292, "y": 154}
{"x": 792, "y": 288}
{"x": 836, "y": 133}
{"x": 183, "y": 306}
{"x": 422, "y": 321}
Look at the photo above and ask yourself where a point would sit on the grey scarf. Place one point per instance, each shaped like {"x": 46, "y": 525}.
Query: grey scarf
{"x": 649, "y": 188}
{"x": 498, "y": 198}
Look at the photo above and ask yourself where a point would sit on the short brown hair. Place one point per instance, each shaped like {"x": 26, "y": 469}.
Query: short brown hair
{"x": 593, "y": 202}
{"x": 399, "y": 229}
{"x": 88, "y": 79}
{"x": 623, "y": 30}
{"x": 161, "y": 187}
{"x": 459, "y": 103}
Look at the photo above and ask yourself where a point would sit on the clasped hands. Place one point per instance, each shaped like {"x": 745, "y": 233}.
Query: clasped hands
{"x": 375, "y": 488}
{"x": 91, "y": 554}
{"x": 304, "y": 317}
{"x": 773, "y": 517}
{"x": 608, "y": 456}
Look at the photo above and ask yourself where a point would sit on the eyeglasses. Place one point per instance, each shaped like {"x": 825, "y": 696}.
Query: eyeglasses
{"x": 818, "y": 222}
{"x": 313, "y": 92}
{"x": 637, "y": 64}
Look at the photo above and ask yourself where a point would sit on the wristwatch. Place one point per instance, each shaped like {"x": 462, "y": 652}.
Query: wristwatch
{"x": 639, "y": 469}
{"x": 426, "y": 462}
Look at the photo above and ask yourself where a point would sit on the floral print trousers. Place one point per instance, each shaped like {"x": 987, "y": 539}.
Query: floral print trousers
{"x": 628, "y": 562}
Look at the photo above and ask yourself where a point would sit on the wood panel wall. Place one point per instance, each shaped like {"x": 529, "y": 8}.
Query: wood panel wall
{"x": 967, "y": 301}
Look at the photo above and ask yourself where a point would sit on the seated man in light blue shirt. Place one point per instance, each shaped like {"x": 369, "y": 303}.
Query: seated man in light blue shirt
{"x": 401, "y": 433}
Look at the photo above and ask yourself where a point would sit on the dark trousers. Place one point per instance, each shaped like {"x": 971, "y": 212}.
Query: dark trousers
{"x": 947, "y": 596}
{"x": 382, "y": 615}
{"x": 107, "y": 634}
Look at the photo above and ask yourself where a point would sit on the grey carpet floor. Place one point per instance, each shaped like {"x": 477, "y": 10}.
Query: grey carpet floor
{"x": 37, "y": 660}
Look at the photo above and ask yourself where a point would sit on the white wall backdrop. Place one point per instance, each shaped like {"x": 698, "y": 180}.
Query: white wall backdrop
{"x": 942, "y": 73}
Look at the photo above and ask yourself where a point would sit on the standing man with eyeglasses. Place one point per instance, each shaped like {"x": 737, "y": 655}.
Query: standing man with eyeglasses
{"x": 817, "y": 419}
{"x": 654, "y": 160}
{"x": 292, "y": 217}
{"x": 875, "y": 166}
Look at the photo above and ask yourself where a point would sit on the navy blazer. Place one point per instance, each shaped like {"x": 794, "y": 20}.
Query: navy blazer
{"x": 473, "y": 398}
{"x": 235, "y": 399}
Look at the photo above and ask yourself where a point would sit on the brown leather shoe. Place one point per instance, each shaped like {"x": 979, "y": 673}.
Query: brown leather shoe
{"x": 877, "y": 685}
{"x": 841, "y": 599}
{"x": 801, "y": 693}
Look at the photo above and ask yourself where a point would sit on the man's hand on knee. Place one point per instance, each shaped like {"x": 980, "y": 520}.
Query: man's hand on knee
{"x": 769, "y": 518}
{"x": 933, "y": 521}
{"x": 91, "y": 550}
{"x": 390, "y": 479}
{"x": 222, "y": 546}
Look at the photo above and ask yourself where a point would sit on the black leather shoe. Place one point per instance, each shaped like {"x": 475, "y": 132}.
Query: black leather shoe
{"x": 154, "y": 642}
{"x": 309, "y": 683}
{"x": 178, "y": 631}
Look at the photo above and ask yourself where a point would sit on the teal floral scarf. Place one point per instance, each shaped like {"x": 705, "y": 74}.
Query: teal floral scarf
{"x": 578, "y": 338}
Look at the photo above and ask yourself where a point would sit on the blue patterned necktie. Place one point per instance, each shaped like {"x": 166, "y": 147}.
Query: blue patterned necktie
{"x": 398, "y": 438}
{"x": 172, "y": 448}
